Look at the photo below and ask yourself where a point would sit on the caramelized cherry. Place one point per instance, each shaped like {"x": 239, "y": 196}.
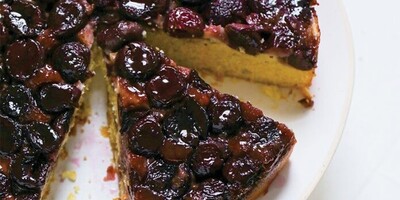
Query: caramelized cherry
{"x": 137, "y": 61}
{"x": 61, "y": 123}
{"x": 245, "y": 36}
{"x": 10, "y": 134}
{"x": 67, "y": 17}
{"x": 143, "y": 9}
{"x": 208, "y": 189}
{"x": 175, "y": 150}
{"x": 223, "y": 12}
{"x": 72, "y": 61}
{"x": 181, "y": 181}
{"x": 184, "y": 22}
{"x": 27, "y": 174}
{"x": 225, "y": 113}
{"x": 241, "y": 169}
{"x": 16, "y": 100}
{"x": 165, "y": 88}
{"x": 58, "y": 97}
{"x": 159, "y": 175}
{"x": 206, "y": 160}
{"x": 188, "y": 123}
{"x": 145, "y": 136}
{"x": 113, "y": 37}
{"x": 23, "y": 57}
{"x": 25, "y": 18}
{"x": 42, "y": 137}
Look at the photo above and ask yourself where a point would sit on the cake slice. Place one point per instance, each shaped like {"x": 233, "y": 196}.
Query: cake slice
{"x": 175, "y": 137}
{"x": 44, "y": 68}
{"x": 268, "y": 41}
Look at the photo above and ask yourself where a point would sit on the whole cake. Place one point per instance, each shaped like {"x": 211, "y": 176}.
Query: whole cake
{"x": 173, "y": 135}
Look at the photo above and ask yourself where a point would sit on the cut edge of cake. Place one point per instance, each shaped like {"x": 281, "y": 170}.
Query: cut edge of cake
{"x": 81, "y": 113}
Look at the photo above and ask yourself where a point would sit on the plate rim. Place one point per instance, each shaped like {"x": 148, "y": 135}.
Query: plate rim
{"x": 346, "y": 110}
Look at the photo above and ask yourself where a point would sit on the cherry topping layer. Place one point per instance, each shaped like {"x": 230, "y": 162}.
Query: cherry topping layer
{"x": 192, "y": 142}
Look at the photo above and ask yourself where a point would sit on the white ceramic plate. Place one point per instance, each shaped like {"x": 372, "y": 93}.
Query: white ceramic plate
{"x": 318, "y": 130}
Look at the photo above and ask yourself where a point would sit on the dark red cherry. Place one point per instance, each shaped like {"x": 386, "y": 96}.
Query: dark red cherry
{"x": 42, "y": 76}
{"x": 28, "y": 151}
{"x": 223, "y": 12}
{"x": 245, "y": 36}
{"x": 241, "y": 169}
{"x": 42, "y": 137}
{"x": 165, "y": 88}
{"x": 207, "y": 159}
{"x": 175, "y": 150}
{"x": 143, "y": 9}
{"x": 23, "y": 57}
{"x": 208, "y": 189}
{"x": 182, "y": 179}
{"x": 67, "y": 17}
{"x": 27, "y": 174}
{"x": 145, "y": 136}
{"x": 249, "y": 112}
{"x": 137, "y": 61}
{"x": 72, "y": 61}
{"x": 61, "y": 123}
{"x": 16, "y": 100}
{"x": 225, "y": 113}
{"x": 243, "y": 143}
{"x": 113, "y": 37}
{"x": 57, "y": 97}
{"x": 25, "y": 18}
{"x": 179, "y": 126}
{"x": 10, "y": 134}
{"x": 184, "y": 22}
{"x": 159, "y": 175}
{"x": 5, "y": 184}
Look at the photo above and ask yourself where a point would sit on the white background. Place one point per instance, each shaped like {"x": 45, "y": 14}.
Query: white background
{"x": 367, "y": 162}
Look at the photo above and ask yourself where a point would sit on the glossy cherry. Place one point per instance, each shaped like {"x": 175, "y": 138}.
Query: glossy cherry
{"x": 23, "y": 57}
